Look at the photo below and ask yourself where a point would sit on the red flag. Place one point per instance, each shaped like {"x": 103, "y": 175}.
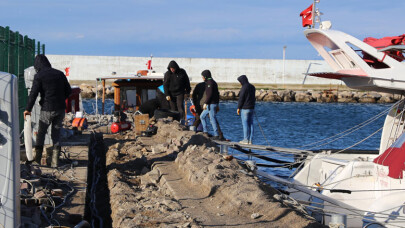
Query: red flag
{"x": 307, "y": 16}
{"x": 149, "y": 64}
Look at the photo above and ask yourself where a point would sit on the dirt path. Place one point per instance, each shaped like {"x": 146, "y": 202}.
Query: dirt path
{"x": 178, "y": 179}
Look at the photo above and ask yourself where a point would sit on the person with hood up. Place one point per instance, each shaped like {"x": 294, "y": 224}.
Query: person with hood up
{"x": 211, "y": 104}
{"x": 246, "y": 106}
{"x": 199, "y": 97}
{"x": 177, "y": 87}
{"x": 54, "y": 89}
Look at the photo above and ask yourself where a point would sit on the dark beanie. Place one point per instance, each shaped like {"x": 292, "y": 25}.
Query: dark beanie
{"x": 206, "y": 74}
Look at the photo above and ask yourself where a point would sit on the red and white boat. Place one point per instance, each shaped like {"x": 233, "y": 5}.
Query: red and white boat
{"x": 361, "y": 190}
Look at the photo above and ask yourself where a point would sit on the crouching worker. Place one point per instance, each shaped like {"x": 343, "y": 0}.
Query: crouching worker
{"x": 211, "y": 104}
{"x": 54, "y": 89}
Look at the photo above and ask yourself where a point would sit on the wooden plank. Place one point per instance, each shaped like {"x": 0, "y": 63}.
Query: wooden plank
{"x": 263, "y": 147}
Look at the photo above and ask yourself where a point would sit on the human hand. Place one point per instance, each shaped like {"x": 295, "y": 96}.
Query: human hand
{"x": 205, "y": 106}
{"x": 238, "y": 111}
{"x": 26, "y": 113}
{"x": 168, "y": 98}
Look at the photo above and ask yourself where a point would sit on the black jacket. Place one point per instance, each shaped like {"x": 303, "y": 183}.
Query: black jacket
{"x": 211, "y": 88}
{"x": 176, "y": 83}
{"x": 149, "y": 107}
{"x": 199, "y": 96}
{"x": 51, "y": 84}
{"x": 247, "y": 94}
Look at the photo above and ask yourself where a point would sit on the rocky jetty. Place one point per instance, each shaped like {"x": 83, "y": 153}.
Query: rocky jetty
{"x": 177, "y": 178}
{"x": 343, "y": 96}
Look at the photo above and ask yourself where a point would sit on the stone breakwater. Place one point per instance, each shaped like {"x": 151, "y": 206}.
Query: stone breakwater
{"x": 177, "y": 178}
{"x": 342, "y": 96}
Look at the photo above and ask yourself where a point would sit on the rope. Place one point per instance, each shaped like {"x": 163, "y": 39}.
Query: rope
{"x": 350, "y": 132}
{"x": 395, "y": 135}
{"x": 352, "y": 129}
{"x": 360, "y": 141}
{"x": 258, "y": 123}
{"x": 332, "y": 189}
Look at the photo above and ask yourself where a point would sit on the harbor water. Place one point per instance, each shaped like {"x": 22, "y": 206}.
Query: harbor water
{"x": 295, "y": 125}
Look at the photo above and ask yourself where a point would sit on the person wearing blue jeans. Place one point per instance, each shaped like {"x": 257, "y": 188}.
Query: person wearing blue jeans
{"x": 211, "y": 104}
{"x": 247, "y": 123}
{"x": 246, "y": 104}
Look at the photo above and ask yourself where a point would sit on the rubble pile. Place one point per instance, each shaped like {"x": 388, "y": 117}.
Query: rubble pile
{"x": 143, "y": 179}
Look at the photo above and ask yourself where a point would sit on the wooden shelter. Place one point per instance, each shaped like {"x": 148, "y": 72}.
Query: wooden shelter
{"x": 131, "y": 91}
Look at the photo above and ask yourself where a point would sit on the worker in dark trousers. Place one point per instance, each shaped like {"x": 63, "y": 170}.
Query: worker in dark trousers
{"x": 177, "y": 87}
{"x": 54, "y": 89}
{"x": 198, "y": 101}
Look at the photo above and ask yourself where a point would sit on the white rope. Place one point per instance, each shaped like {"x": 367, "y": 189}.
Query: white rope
{"x": 360, "y": 141}
{"x": 354, "y": 128}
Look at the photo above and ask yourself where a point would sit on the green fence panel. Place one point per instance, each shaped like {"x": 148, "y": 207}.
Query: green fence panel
{"x": 16, "y": 54}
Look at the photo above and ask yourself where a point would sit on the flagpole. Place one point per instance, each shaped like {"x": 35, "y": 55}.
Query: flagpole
{"x": 313, "y": 14}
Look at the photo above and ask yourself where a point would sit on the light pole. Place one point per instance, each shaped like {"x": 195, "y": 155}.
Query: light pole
{"x": 285, "y": 47}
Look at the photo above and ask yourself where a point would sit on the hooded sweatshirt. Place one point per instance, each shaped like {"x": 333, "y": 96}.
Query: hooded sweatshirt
{"x": 176, "y": 83}
{"x": 247, "y": 94}
{"x": 211, "y": 88}
{"x": 51, "y": 84}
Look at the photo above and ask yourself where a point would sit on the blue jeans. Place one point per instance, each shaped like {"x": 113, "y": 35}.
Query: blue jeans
{"x": 212, "y": 110}
{"x": 247, "y": 123}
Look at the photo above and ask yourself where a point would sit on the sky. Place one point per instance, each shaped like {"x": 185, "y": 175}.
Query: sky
{"x": 254, "y": 29}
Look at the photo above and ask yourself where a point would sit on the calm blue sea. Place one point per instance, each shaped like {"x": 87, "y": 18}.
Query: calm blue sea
{"x": 294, "y": 125}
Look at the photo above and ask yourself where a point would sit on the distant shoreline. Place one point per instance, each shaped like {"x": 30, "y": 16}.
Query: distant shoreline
{"x": 321, "y": 94}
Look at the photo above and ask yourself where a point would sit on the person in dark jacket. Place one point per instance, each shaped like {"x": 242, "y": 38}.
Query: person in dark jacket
{"x": 246, "y": 106}
{"x": 177, "y": 87}
{"x": 149, "y": 107}
{"x": 198, "y": 101}
{"x": 211, "y": 103}
{"x": 54, "y": 89}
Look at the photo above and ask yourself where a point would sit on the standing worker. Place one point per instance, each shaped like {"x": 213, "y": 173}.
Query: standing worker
{"x": 246, "y": 103}
{"x": 199, "y": 97}
{"x": 177, "y": 87}
{"x": 211, "y": 104}
{"x": 54, "y": 89}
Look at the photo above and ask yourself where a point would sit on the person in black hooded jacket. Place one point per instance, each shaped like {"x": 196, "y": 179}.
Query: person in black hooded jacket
{"x": 211, "y": 104}
{"x": 246, "y": 106}
{"x": 54, "y": 89}
{"x": 177, "y": 87}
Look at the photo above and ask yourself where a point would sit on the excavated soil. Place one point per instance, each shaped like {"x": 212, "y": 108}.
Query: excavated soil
{"x": 177, "y": 178}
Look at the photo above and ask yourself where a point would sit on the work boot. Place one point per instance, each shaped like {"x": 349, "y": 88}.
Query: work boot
{"x": 38, "y": 154}
{"x": 55, "y": 156}
{"x": 48, "y": 159}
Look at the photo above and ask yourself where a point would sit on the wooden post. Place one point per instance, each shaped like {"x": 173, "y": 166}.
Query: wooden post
{"x": 103, "y": 97}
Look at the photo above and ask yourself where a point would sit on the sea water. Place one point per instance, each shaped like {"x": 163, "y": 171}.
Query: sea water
{"x": 296, "y": 125}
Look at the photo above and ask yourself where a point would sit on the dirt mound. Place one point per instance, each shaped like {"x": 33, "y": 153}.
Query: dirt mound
{"x": 177, "y": 178}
